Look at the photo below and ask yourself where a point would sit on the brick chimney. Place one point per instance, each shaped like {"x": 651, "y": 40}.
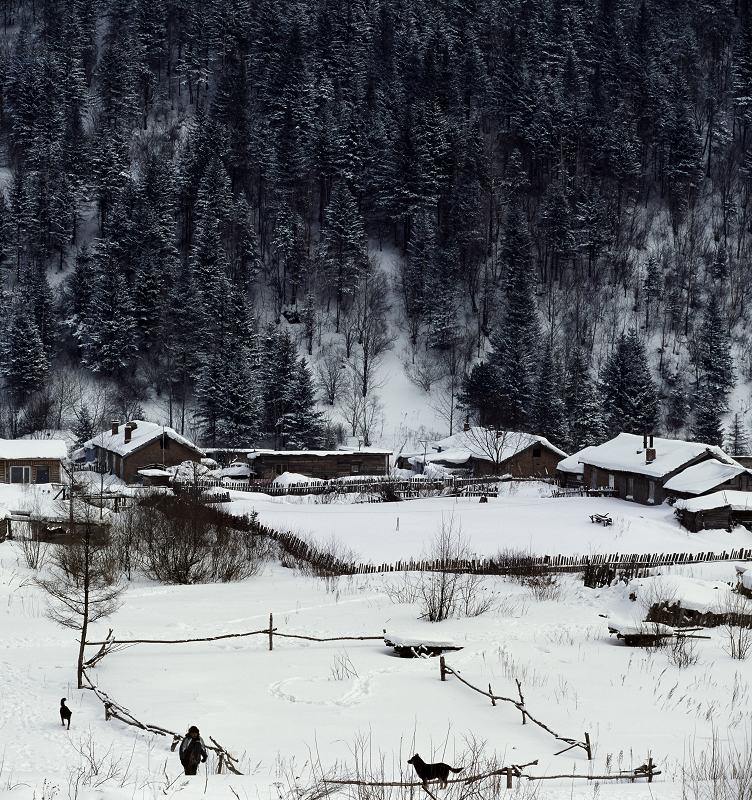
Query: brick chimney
{"x": 649, "y": 450}
{"x": 129, "y": 428}
{"x": 115, "y": 425}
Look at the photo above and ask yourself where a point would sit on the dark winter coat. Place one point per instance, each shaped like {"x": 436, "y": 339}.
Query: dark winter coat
{"x": 192, "y": 752}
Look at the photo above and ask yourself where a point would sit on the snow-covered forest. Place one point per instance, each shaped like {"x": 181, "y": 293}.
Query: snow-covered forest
{"x": 235, "y": 208}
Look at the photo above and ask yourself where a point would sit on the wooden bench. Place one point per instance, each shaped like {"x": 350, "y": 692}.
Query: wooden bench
{"x": 601, "y": 519}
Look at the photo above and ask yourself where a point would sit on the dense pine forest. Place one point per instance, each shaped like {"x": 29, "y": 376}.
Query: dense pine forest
{"x": 234, "y": 208}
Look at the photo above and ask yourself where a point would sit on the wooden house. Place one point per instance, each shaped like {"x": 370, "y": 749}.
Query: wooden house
{"x": 31, "y": 460}
{"x": 723, "y": 509}
{"x": 479, "y": 452}
{"x": 324, "y": 464}
{"x": 638, "y": 468}
{"x": 138, "y": 445}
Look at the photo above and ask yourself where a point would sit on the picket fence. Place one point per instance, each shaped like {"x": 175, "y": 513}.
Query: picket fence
{"x": 403, "y": 488}
{"x": 329, "y": 564}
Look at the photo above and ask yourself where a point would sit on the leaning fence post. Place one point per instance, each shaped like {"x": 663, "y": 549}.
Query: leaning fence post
{"x": 588, "y": 748}
{"x": 442, "y": 668}
{"x": 271, "y": 631}
{"x": 650, "y": 769}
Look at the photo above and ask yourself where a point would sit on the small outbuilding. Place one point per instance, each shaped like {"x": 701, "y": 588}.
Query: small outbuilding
{"x": 324, "y": 464}
{"x": 717, "y": 510}
{"x": 31, "y": 460}
{"x": 709, "y": 476}
{"x": 570, "y": 471}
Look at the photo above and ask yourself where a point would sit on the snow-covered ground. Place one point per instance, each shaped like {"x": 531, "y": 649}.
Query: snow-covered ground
{"x": 523, "y": 517}
{"x": 322, "y": 702}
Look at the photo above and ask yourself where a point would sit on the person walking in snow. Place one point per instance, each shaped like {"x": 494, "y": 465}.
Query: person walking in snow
{"x": 192, "y": 751}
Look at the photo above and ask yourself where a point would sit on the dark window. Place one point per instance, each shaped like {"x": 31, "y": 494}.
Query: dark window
{"x": 278, "y": 469}
{"x": 536, "y": 451}
{"x": 43, "y": 474}
{"x": 354, "y": 469}
{"x": 20, "y": 474}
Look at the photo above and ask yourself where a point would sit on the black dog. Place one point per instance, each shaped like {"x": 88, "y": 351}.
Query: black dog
{"x": 432, "y": 772}
{"x": 65, "y": 713}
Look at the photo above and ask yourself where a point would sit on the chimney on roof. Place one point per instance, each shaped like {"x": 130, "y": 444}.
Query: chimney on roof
{"x": 649, "y": 449}
{"x": 115, "y": 426}
{"x": 128, "y": 430}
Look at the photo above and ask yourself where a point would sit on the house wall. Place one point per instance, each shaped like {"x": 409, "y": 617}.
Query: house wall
{"x": 330, "y": 466}
{"x": 598, "y": 478}
{"x": 127, "y": 467}
{"x": 34, "y": 463}
{"x": 536, "y": 461}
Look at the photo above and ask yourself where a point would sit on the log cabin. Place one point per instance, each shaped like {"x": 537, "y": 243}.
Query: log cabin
{"x": 31, "y": 460}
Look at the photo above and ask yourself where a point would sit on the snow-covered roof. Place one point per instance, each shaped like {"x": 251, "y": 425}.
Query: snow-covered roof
{"x": 144, "y": 433}
{"x": 254, "y": 454}
{"x": 64, "y": 434}
{"x": 737, "y": 501}
{"x": 704, "y": 476}
{"x": 21, "y": 449}
{"x": 626, "y": 453}
{"x": 694, "y": 594}
{"x": 483, "y": 444}
{"x": 154, "y": 472}
{"x": 574, "y": 463}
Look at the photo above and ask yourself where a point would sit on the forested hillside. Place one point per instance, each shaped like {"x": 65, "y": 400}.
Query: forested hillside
{"x": 203, "y": 202}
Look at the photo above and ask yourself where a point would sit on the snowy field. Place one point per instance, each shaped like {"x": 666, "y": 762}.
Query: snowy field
{"x": 522, "y": 518}
{"x": 328, "y": 703}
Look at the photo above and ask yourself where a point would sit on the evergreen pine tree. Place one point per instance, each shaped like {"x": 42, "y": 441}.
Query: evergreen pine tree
{"x": 586, "y": 422}
{"x": 25, "y": 364}
{"x": 737, "y": 439}
{"x": 629, "y": 396}
{"x": 550, "y": 418}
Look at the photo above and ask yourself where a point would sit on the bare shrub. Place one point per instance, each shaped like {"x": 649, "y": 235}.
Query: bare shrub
{"x": 682, "y": 651}
{"x": 183, "y": 542}
{"x": 439, "y": 589}
{"x": 475, "y": 597}
{"x": 721, "y": 770}
{"x": 738, "y": 627}
{"x": 342, "y": 667}
{"x": 33, "y": 551}
{"x": 546, "y": 586}
{"x": 404, "y": 591}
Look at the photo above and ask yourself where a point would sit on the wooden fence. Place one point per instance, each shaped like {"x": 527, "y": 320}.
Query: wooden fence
{"x": 408, "y": 488}
{"x": 326, "y": 563}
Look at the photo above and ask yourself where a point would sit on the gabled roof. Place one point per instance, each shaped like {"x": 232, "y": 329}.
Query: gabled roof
{"x": 48, "y": 449}
{"x": 144, "y": 433}
{"x": 626, "y": 453}
{"x": 574, "y": 463}
{"x": 482, "y": 444}
{"x": 703, "y": 477}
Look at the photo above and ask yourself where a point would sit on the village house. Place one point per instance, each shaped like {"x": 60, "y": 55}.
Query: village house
{"x": 479, "y": 452}
{"x": 324, "y": 464}
{"x": 31, "y": 460}
{"x": 640, "y": 468}
{"x": 138, "y": 445}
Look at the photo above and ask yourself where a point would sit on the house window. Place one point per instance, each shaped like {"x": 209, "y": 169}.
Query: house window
{"x": 536, "y": 451}
{"x": 20, "y": 474}
{"x": 43, "y": 474}
{"x": 354, "y": 469}
{"x": 651, "y": 491}
{"x": 630, "y": 488}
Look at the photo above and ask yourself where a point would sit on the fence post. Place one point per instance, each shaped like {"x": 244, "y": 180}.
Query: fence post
{"x": 271, "y": 631}
{"x": 509, "y": 777}
{"x": 442, "y": 668}
{"x": 650, "y": 769}
{"x": 588, "y": 748}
